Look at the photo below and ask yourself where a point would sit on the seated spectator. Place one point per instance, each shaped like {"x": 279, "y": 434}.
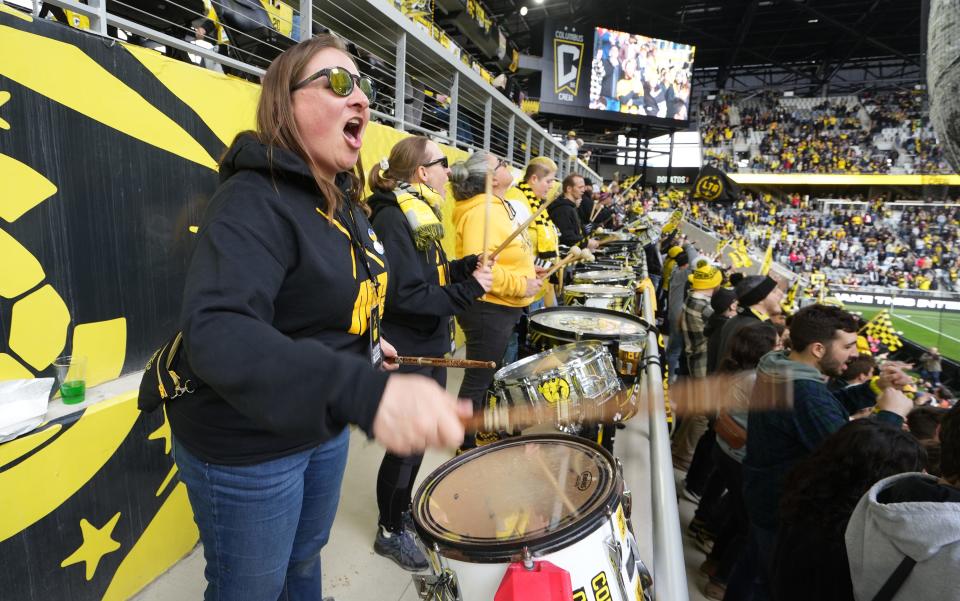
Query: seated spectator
{"x": 905, "y": 532}
{"x": 822, "y": 491}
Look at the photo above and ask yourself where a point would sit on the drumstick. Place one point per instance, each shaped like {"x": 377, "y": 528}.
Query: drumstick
{"x": 521, "y": 229}
{"x": 443, "y": 362}
{"x": 595, "y": 211}
{"x": 572, "y": 256}
{"x": 687, "y": 397}
{"x": 556, "y": 485}
{"x": 603, "y": 241}
{"x": 488, "y": 190}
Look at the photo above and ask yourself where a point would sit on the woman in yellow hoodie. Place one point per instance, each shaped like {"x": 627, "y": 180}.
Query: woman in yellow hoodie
{"x": 488, "y": 323}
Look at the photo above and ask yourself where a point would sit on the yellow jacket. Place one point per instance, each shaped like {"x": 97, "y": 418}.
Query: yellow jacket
{"x": 514, "y": 265}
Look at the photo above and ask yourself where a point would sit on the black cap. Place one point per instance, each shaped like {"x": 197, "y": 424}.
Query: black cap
{"x": 754, "y": 288}
{"x": 722, "y": 299}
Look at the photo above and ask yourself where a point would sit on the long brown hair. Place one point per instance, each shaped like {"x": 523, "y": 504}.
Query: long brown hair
{"x": 276, "y": 125}
{"x": 405, "y": 156}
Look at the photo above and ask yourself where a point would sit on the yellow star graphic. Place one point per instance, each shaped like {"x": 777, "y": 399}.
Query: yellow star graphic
{"x": 163, "y": 432}
{"x": 4, "y": 97}
{"x": 96, "y": 543}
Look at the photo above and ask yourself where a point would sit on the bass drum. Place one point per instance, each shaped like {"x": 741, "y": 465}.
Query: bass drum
{"x": 543, "y": 497}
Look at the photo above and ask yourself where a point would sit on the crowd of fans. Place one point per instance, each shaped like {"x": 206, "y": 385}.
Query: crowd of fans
{"x": 874, "y": 133}
{"x": 827, "y": 498}
{"x": 914, "y": 247}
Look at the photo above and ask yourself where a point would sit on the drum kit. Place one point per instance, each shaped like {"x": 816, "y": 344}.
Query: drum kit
{"x": 533, "y": 505}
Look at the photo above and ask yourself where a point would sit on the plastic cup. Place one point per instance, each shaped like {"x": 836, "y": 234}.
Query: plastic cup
{"x": 71, "y": 376}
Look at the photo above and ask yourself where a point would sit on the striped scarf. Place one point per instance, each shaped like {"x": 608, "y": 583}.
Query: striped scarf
{"x": 542, "y": 225}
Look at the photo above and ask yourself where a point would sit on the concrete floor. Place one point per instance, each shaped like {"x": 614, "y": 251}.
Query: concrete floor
{"x": 352, "y": 572}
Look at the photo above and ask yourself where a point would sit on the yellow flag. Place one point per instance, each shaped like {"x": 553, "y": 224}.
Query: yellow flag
{"x": 768, "y": 256}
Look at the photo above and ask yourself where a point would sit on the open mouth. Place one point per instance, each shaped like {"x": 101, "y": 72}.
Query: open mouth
{"x": 352, "y": 131}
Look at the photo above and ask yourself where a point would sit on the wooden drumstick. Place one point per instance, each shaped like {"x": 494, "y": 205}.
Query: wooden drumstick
{"x": 443, "y": 362}
{"x": 687, "y": 397}
{"x": 488, "y": 191}
{"x": 572, "y": 256}
{"x": 522, "y": 228}
{"x": 607, "y": 240}
{"x": 595, "y": 211}
{"x": 556, "y": 485}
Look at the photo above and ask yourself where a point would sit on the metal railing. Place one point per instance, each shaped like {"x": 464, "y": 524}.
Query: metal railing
{"x": 669, "y": 569}
{"x": 422, "y": 86}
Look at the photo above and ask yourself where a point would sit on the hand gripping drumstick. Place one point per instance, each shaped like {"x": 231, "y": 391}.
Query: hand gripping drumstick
{"x": 522, "y": 228}
{"x": 443, "y": 362}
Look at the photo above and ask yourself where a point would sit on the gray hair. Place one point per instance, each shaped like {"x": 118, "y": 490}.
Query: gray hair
{"x": 469, "y": 178}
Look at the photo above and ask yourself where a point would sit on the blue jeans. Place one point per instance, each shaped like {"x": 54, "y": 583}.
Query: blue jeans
{"x": 262, "y": 526}
{"x": 674, "y": 352}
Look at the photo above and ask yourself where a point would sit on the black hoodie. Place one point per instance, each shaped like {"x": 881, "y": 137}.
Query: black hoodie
{"x": 419, "y": 304}
{"x": 564, "y": 215}
{"x": 275, "y": 315}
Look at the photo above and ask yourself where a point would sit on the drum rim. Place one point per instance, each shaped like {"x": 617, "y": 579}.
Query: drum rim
{"x": 559, "y": 334}
{"x": 513, "y": 550}
{"x": 500, "y": 380}
{"x": 622, "y": 292}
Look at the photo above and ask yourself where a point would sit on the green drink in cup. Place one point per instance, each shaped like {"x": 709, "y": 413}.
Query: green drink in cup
{"x": 71, "y": 375}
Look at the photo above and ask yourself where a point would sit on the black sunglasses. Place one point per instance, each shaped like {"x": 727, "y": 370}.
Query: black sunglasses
{"x": 443, "y": 161}
{"x": 341, "y": 82}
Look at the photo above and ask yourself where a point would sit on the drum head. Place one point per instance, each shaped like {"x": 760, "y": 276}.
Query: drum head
{"x": 541, "y": 363}
{"x": 575, "y": 323}
{"x": 597, "y": 290}
{"x": 542, "y": 492}
{"x": 603, "y": 275}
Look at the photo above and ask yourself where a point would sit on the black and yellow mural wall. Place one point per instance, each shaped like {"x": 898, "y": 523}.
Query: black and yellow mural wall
{"x": 108, "y": 155}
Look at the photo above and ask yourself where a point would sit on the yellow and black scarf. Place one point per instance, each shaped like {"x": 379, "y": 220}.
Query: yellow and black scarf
{"x": 421, "y": 206}
{"x": 543, "y": 225}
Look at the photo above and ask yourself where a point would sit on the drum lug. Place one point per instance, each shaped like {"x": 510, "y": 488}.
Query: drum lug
{"x": 627, "y": 503}
{"x": 527, "y": 559}
{"x": 438, "y": 588}
{"x": 615, "y": 555}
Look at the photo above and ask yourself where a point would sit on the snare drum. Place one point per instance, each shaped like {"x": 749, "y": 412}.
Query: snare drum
{"x": 536, "y": 498}
{"x": 609, "y": 277}
{"x": 616, "y": 298}
{"x": 559, "y": 381}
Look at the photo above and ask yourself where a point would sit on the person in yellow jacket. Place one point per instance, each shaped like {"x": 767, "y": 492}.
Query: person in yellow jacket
{"x": 542, "y": 234}
{"x": 489, "y": 322}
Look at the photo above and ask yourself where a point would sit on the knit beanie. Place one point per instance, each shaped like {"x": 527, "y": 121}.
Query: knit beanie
{"x": 705, "y": 277}
{"x": 722, "y": 299}
{"x": 754, "y": 288}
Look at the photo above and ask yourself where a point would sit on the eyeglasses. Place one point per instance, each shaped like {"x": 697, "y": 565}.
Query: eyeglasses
{"x": 443, "y": 161}
{"x": 341, "y": 82}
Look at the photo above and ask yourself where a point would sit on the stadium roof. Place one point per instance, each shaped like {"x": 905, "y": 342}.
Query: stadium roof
{"x": 815, "y": 39}
{"x": 805, "y": 46}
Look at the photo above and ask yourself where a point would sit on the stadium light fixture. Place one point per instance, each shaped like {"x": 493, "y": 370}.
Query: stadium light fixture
{"x": 523, "y": 11}
{"x": 813, "y": 20}
{"x": 538, "y": 1}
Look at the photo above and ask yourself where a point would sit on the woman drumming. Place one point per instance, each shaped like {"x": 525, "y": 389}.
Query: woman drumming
{"x": 425, "y": 292}
{"x": 488, "y": 323}
{"x": 281, "y": 293}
